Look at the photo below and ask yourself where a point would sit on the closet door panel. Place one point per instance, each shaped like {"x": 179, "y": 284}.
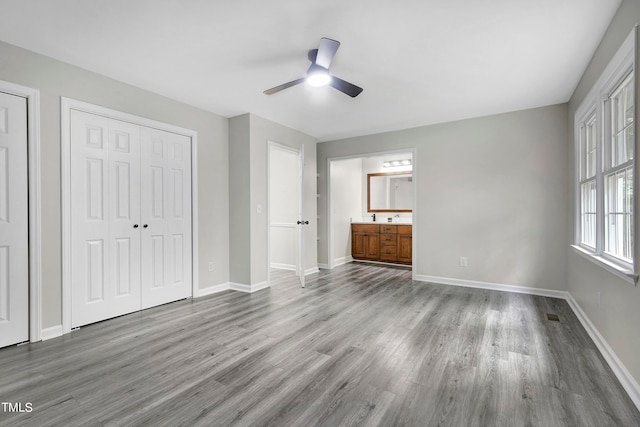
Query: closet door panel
{"x": 105, "y": 248}
{"x": 14, "y": 225}
{"x": 124, "y": 218}
{"x": 166, "y": 212}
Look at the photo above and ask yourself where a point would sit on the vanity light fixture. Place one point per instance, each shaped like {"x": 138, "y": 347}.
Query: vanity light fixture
{"x": 394, "y": 163}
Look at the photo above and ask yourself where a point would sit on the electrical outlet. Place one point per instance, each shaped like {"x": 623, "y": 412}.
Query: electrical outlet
{"x": 211, "y": 266}
{"x": 464, "y": 262}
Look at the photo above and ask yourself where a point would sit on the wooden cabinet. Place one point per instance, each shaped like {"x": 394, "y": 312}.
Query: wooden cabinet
{"x": 381, "y": 242}
{"x": 365, "y": 242}
{"x": 405, "y": 244}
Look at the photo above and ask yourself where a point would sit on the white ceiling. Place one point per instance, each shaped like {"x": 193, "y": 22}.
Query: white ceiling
{"x": 419, "y": 61}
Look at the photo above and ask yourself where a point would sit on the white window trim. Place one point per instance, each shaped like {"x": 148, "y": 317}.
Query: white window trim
{"x": 620, "y": 65}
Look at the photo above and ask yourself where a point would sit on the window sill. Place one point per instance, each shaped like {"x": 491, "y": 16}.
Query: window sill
{"x": 623, "y": 273}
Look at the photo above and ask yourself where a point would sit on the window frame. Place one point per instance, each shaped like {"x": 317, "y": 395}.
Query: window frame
{"x": 596, "y": 109}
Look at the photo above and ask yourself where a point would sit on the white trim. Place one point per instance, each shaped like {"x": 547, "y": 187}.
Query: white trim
{"x": 280, "y": 266}
{"x": 492, "y": 286}
{"x": 342, "y": 261}
{"x": 311, "y": 270}
{"x": 624, "y": 376}
{"x": 626, "y": 275}
{"x": 323, "y": 266}
{"x": 35, "y": 211}
{"x": 68, "y": 104}
{"x": 51, "y": 332}
{"x": 65, "y": 178}
{"x": 211, "y": 290}
{"x": 195, "y": 276}
{"x": 248, "y": 288}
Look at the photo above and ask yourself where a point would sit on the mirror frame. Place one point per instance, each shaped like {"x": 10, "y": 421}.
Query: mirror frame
{"x": 369, "y": 175}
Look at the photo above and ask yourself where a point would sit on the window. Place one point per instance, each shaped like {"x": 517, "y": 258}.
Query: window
{"x": 605, "y": 167}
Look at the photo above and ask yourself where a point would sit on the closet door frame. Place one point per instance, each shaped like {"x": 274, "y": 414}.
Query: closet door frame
{"x": 68, "y": 104}
{"x": 35, "y": 236}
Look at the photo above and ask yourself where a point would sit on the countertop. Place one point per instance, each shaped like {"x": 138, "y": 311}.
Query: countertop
{"x": 381, "y": 222}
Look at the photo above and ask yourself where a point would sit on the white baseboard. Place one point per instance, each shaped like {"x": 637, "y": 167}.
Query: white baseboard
{"x": 51, "y": 332}
{"x": 493, "y": 286}
{"x": 197, "y": 293}
{"x": 283, "y": 266}
{"x": 311, "y": 270}
{"x": 342, "y": 261}
{"x": 248, "y": 288}
{"x": 293, "y": 268}
{"x": 336, "y": 263}
{"x": 626, "y": 379}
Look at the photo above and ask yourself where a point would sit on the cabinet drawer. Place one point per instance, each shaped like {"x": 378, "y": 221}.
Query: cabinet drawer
{"x": 404, "y": 229}
{"x": 388, "y": 239}
{"x": 365, "y": 228}
{"x": 388, "y": 253}
{"x": 389, "y": 229}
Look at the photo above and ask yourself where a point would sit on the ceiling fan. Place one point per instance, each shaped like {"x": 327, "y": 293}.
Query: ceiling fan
{"x": 318, "y": 73}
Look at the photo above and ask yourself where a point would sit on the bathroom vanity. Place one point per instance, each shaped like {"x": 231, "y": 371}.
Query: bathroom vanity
{"x": 391, "y": 243}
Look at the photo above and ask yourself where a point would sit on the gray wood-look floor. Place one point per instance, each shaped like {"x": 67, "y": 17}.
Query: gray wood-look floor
{"x": 361, "y": 345}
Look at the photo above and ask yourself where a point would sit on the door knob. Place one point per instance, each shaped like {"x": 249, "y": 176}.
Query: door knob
{"x": 135, "y": 225}
{"x": 145, "y": 226}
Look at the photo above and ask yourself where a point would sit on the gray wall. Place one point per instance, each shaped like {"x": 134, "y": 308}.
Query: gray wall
{"x": 55, "y": 79}
{"x": 618, "y": 316}
{"x": 492, "y": 189}
{"x": 239, "y": 200}
{"x": 257, "y": 132}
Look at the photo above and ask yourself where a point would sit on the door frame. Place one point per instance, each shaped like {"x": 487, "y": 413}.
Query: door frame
{"x": 35, "y": 236}
{"x": 414, "y": 213}
{"x": 300, "y": 229}
{"x": 68, "y": 104}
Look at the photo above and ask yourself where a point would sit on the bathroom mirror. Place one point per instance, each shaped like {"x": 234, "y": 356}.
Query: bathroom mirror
{"x": 390, "y": 192}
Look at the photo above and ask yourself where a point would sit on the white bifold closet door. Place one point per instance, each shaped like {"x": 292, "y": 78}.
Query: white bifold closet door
{"x": 14, "y": 225}
{"x": 130, "y": 217}
{"x": 166, "y": 217}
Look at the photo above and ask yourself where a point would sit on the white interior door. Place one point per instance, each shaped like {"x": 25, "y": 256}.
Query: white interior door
{"x": 14, "y": 256}
{"x": 166, "y": 217}
{"x": 301, "y": 223}
{"x": 105, "y": 218}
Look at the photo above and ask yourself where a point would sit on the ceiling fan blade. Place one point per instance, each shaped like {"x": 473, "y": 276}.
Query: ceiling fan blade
{"x": 326, "y": 51}
{"x": 283, "y": 86}
{"x": 313, "y": 53}
{"x": 345, "y": 87}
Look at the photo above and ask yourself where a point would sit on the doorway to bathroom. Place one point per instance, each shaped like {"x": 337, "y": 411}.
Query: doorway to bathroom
{"x": 378, "y": 185}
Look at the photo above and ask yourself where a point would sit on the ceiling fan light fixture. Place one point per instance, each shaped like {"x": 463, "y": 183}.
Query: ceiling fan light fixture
{"x": 318, "y": 73}
{"x": 319, "y": 79}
